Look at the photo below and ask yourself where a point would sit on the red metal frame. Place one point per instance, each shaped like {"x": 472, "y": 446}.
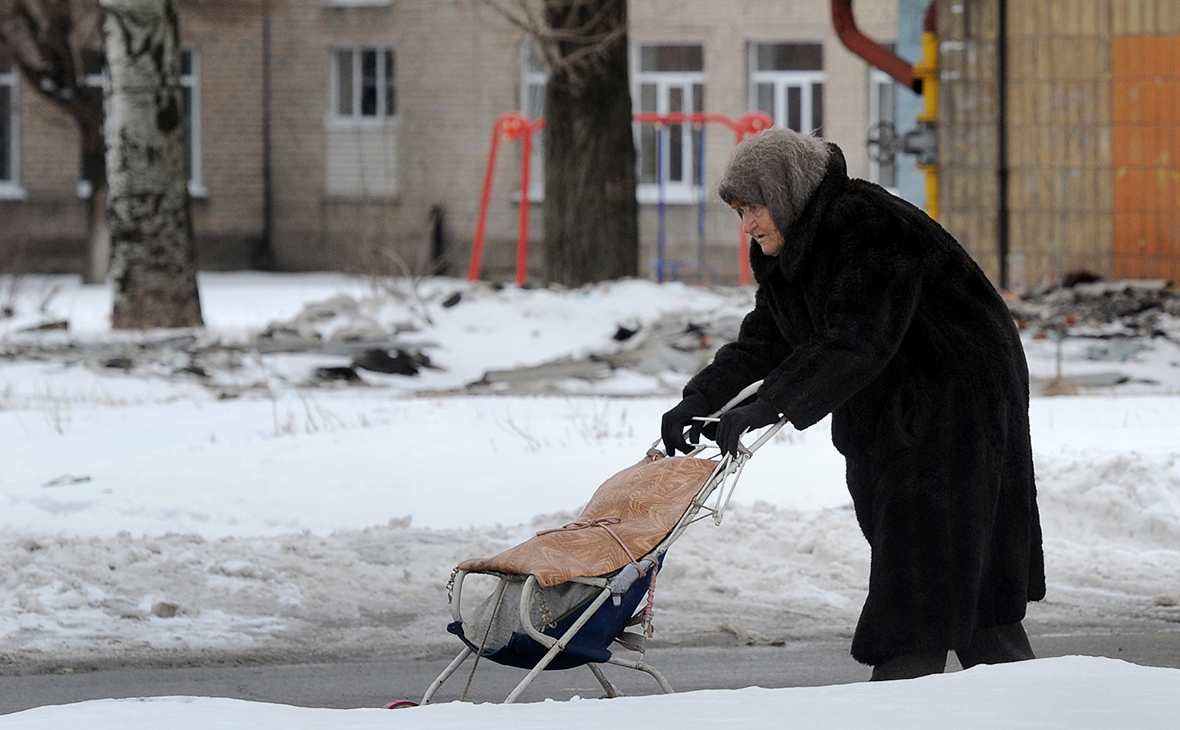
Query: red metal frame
{"x": 515, "y": 126}
{"x": 512, "y": 126}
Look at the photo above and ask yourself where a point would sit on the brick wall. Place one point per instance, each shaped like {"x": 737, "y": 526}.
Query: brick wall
{"x": 457, "y": 69}
{"x": 1092, "y": 127}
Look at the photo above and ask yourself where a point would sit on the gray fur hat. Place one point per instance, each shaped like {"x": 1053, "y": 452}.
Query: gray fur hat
{"x": 777, "y": 168}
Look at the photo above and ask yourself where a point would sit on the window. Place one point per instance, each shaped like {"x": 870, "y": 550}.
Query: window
{"x": 9, "y": 183}
{"x": 882, "y": 114}
{"x": 190, "y": 83}
{"x": 787, "y": 82}
{"x": 533, "y": 78}
{"x": 361, "y": 129}
{"x": 669, "y": 79}
{"x": 363, "y": 84}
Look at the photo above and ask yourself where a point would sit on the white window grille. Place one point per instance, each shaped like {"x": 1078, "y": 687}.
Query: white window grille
{"x": 190, "y": 82}
{"x": 9, "y": 127}
{"x": 361, "y": 130}
{"x": 533, "y": 78}
{"x": 668, "y": 79}
{"x": 882, "y": 111}
{"x": 364, "y": 84}
{"x": 787, "y": 83}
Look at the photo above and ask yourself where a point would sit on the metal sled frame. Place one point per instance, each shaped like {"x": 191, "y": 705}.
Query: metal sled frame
{"x": 721, "y": 483}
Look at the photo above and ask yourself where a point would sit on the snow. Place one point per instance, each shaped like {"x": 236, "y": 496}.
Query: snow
{"x": 1067, "y": 692}
{"x": 149, "y": 512}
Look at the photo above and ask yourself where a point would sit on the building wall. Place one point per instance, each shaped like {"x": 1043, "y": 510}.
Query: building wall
{"x": 226, "y": 36}
{"x": 457, "y": 69}
{"x": 1145, "y": 149}
{"x": 43, "y": 226}
{"x": 1092, "y": 123}
{"x": 726, "y": 30}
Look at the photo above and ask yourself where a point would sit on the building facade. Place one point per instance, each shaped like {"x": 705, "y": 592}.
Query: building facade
{"x": 354, "y": 134}
{"x": 1059, "y": 136}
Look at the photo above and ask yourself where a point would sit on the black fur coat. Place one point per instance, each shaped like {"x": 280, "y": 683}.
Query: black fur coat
{"x": 873, "y": 313}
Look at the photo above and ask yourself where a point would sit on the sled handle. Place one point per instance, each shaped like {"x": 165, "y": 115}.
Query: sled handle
{"x": 745, "y": 393}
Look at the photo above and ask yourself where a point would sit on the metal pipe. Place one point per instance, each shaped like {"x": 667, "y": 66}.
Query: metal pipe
{"x": 263, "y": 254}
{"x": 877, "y": 55}
{"x": 1002, "y": 232}
{"x": 927, "y": 73}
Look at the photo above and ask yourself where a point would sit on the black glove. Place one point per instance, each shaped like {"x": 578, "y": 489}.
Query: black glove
{"x": 737, "y": 421}
{"x": 679, "y": 418}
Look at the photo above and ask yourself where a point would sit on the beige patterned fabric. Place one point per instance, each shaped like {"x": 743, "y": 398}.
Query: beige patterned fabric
{"x": 640, "y": 505}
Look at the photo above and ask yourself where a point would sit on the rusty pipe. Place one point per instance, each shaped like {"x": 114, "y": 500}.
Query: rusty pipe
{"x": 877, "y": 55}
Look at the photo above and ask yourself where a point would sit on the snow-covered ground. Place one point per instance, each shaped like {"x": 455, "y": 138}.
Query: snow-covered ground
{"x": 204, "y": 494}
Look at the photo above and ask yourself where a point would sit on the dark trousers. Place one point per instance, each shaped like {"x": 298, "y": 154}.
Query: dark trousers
{"x": 993, "y": 645}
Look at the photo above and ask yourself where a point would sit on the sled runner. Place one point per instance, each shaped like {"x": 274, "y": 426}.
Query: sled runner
{"x": 565, "y": 597}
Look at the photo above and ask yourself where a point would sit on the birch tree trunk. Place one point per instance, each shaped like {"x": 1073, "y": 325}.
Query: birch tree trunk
{"x": 153, "y": 257}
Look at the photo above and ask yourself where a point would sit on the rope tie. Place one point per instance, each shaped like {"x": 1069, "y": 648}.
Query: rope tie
{"x": 604, "y": 523}
{"x": 647, "y": 611}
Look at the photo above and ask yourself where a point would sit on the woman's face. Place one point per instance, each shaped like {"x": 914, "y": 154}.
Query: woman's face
{"x": 757, "y": 224}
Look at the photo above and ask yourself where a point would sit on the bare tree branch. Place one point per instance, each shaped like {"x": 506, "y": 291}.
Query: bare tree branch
{"x": 48, "y": 37}
{"x": 573, "y": 36}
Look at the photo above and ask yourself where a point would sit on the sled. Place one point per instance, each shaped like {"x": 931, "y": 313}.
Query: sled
{"x": 565, "y": 597}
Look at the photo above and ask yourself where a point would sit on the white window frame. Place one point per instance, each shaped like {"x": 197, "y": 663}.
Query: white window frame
{"x": 356, "y": 118}
{"x": 782, "y": 81}
{"x": 195, "y": 149}
{"x": 878, "y": 80}
{"x": 192, "y": 82}
{"x": 10, "y": 187}
{"x": 686, "y": 190}
{"x": 533, "y": 79}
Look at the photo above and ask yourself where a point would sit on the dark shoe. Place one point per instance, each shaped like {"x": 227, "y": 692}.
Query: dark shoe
{"x": 997, "y": 645}
{"x": 909, "y": 666}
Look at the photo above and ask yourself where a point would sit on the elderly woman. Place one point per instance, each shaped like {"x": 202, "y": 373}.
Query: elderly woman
{"x": 868, "y": 310}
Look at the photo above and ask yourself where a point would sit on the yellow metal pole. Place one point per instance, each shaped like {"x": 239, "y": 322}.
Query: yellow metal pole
{"x": 927, "y": 70}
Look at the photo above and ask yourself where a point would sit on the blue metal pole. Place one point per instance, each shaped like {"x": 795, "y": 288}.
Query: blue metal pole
{"x": 662, "y": 203}
{"x": 701, "y": 205}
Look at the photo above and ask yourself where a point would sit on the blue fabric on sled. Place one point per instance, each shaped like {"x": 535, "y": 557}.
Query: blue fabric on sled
{"x": 590, "y": 644}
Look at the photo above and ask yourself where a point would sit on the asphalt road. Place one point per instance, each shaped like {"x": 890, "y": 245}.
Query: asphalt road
{"x": 374, "y": 682}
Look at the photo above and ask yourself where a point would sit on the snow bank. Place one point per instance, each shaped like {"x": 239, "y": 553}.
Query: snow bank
{"x": 145, "y": 514}
{"x": 1069, "y": 693}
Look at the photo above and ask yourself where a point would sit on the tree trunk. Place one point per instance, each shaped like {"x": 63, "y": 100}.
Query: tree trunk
{"x": 153, "y": 262}
{"x": 48, "y": 39}
{"x": 590, "y": 212}
{"x": 94, "y": 170}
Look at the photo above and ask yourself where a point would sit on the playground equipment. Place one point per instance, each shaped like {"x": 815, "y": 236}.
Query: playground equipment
{"x": 514, "y": 126}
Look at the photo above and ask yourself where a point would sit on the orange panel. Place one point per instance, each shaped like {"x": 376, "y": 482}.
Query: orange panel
{"x": 1167, "y": 234}
{"x": 1122, "y": 234}
{"x": 1149, "y": 230}
{"x": 1121, "y": 192}
{"x": 1135, "y": 101}
{"x": 1134, "y": 181}
{"x": 1145, "y": 156}
{"x": 1134, "y": 140}
{"x": 1153, "y": 89}
{"x": 1120, "y": 94}
{"x": 1151, "y": 53}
